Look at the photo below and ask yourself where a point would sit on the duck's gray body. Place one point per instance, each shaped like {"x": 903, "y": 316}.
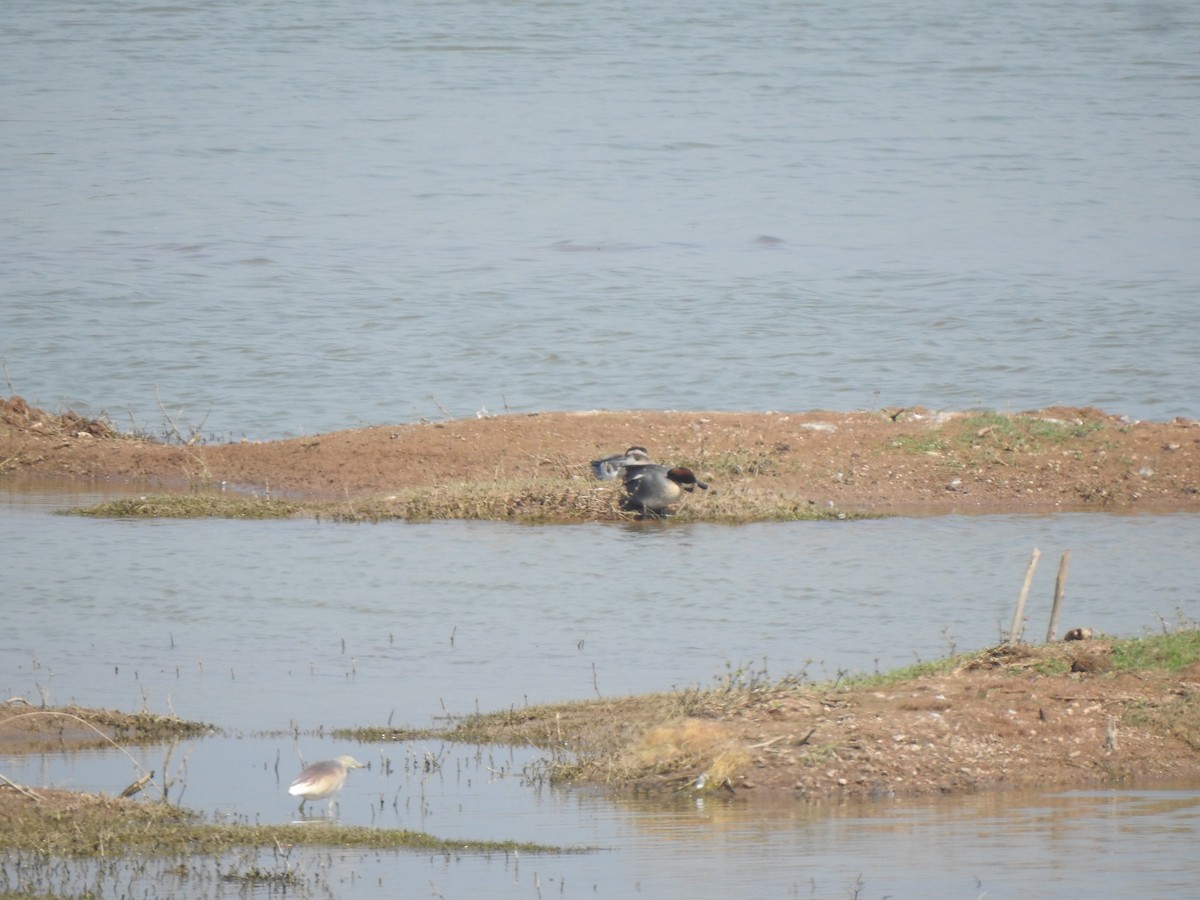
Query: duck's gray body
{"x": 651, "y": 488}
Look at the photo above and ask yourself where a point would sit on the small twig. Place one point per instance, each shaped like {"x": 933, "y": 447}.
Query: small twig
{"x": 765, "y": 744}
{"x": 8, "y": 378}
{"x": 16, "y": 787}
{"x": 166, "y": 415}
{"x": 445, "y": 412}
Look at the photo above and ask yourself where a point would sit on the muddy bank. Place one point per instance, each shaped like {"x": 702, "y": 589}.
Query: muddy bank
{"x": 1091, "y": 712}
{"x": 25, "y": 728}
{"x": 894, "y": 461}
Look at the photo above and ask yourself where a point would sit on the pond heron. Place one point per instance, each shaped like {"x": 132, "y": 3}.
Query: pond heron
{"x": 323, "y": 779}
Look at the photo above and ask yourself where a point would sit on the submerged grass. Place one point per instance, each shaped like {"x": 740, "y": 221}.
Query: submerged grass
{"x": 191, "y": 506}
{"x": 527, "y": 501}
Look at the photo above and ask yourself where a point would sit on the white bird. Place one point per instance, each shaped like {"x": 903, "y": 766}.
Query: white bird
{"x": 323, "y": 779}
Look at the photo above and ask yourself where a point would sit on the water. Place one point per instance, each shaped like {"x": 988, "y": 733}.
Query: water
{"x": 286, "y": 218}
{"x": 1063, "y": 844}
{"x": 272, "y": 219}
{"x": 279, "y": 631}
{"x": 404, "y": 623}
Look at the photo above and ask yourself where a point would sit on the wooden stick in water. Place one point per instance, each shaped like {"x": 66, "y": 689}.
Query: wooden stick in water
{"x": 1014, "y": 634}
{"x": 1060, "y": 586}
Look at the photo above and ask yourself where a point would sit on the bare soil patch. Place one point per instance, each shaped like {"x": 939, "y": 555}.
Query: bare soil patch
{"x": 893, "y": 461}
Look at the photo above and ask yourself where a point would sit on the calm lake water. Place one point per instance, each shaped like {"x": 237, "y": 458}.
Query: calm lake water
{"x": 282, "y": 218}
{"x": 269, "y": 219}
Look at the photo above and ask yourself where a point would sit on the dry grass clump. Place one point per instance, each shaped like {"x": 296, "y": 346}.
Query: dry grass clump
{"x": 645, "y": 741}
{"x": 689, "y": 745}
{"x": 16, "y": 413}
{"x": 1179, "y": 717}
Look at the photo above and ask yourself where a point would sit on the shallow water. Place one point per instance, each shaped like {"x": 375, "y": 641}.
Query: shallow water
{"x": 1127, "y": 842}
{"x": 264, "y": 625}
{"x": 278, "y": 630}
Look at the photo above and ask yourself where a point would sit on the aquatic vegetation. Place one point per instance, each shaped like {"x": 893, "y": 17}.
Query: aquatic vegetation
{"x": 191, "y": 506}
{"x": 526, "y": 501}
{"x": 65, "y": 824}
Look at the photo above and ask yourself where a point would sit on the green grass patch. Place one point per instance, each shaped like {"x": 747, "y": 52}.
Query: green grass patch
{"x": 921, "y": 443}
{"x": 1173, "y": 652}
{"x": 910, "y": 673}
{"x": 995, "y": 429}
{"x": 1052, "y": 665}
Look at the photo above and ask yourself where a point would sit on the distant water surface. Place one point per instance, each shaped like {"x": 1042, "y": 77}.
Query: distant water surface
{"x": 277, "y": 219}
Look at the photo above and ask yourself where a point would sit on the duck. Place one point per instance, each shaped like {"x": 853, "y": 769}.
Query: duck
{"x": 611, "y": 467}
{"x": 651, "y": 488}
